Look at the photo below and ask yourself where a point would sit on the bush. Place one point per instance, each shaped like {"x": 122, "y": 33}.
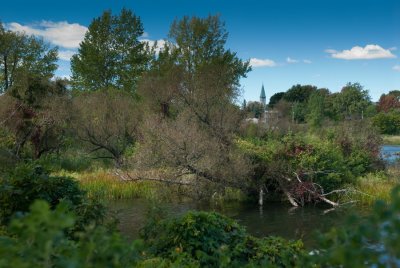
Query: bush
{"x": 372, "y": 241}
{"x": 210, "y": 239}
{"x": 27, "y": 184}
{"x": 388, "y": 123}
{"x": 38, "y": 239}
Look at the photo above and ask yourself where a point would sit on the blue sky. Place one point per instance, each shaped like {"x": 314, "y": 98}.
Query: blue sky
{"x": 324, "y": 43}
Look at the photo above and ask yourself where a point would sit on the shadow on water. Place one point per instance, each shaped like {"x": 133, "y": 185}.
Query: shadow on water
{"x": 273, "y": 219}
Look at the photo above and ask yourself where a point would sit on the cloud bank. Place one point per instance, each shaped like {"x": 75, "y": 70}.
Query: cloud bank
{"x": 369, "y": 52}
{"x": 62, "y": 34}
{"x": 257, "y": 63}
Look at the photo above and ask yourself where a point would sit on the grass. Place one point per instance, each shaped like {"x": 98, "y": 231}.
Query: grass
{"x": 391, "y": 139}
{"x": 104, "y": 184}
{"x": 374, "y": 186}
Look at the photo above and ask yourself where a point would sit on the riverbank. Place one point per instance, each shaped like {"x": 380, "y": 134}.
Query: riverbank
{"x": 106, "y": 185}
{"x": 391, "y": 139}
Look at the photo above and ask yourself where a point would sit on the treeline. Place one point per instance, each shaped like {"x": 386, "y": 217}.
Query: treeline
{"x": 171, "y": 114}
{"x": 319, "y": 107}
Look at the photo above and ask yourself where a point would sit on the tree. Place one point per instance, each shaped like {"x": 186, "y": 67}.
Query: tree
{"x": 299, "y": 93}
{"x": 275, "y": 99}
{"x": 20, "y": 53}
{"x": 352, "y": 101}
{"x": 107, "y": 121}
{"x": 387, "y": 123}
{"x": 388, "y": 102}
{"x": 254, "y": 109}
{"x": 111, "y": 54}
{"x": 35, "y": 113}
{"x": 198, "y": 79}
{"x": 317, "y": 107}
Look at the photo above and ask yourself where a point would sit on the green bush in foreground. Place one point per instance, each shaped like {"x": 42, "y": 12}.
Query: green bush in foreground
{"x": 196, "y": 239}
{"x": 27, "y": 184}
{"x": 212, "y": 240}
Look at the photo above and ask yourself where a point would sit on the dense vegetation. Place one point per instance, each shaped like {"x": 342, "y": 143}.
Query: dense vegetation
{"x": 46, "y": 236}
{"x": 145, "y": 120}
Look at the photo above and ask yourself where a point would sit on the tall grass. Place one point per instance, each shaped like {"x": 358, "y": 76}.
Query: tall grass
{"x": 374, "y": 186}
{"x": 391, "y": 139}
{"x": 104, "y": 184}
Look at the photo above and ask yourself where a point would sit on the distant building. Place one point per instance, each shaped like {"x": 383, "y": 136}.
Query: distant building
{"x": 263, "y": 98}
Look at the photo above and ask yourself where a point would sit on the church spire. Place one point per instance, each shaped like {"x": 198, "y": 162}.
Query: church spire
{"x": 263, "y": 98}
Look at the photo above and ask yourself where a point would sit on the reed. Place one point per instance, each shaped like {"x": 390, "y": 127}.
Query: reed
{"x": 391, "y": 139}
{"x": 104, "y": 184}
{"x": 372, "y": 187}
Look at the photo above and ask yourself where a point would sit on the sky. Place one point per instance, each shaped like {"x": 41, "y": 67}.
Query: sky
{"x": 319, "y": 42}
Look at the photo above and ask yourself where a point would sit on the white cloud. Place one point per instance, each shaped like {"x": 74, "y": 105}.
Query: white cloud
{"x": 396, "y": 68}
{"x": 307, "y": 61}
{"x": 63, "y": 34}
{"x": 290, "y": 60}
{"x": 255, "y": 63}
{"x": 66, "y": 54}
{"x": 158, "y": 45}
{"x": 368, "y": 52}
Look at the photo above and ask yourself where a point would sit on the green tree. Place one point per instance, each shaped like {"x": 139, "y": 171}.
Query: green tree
{"x": 20, "y": 53}
{"x": 299, "y": 93}
{"x": 198, "y": 79}
{"x": 352, "y": 101}
{"x": 275, "y": 99}
{"x": 111, "y": 54}
{"x": 388, "y": 123}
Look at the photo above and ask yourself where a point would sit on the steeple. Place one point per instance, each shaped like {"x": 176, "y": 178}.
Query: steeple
{"x": 263, "y": 98}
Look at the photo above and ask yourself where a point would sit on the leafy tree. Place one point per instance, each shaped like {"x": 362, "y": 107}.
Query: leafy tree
{"x": 197, "y": 81}
{"x": 35, "y": 113}
{"x": 388, "y": 102}
{"x": 352, "y": 101}
{"x": 316, "y": 107}
{"x": 388, "y": 123}
{"x": 107, "y": 121}
{"x": 22, "y": 53}
{"x": 254, "y": 109}
{"x": 299, "y": 93}
{"x": 111, "y": 54}
{"x": 275, "y": 99}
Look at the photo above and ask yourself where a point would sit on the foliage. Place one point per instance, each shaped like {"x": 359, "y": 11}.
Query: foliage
{"x": 26, "y": 184}
{"x": 352, "y": 101}
{"x": 211, "y": 239}
{"x": 20, "y": 53}
{"x": 388, "y": 123}
{"x": 34, "y": 113}
{"x": 254, "y": 109}
{"x": 299, "y": 93}
{"x": 190, "y": 91}
{"x": 332, "y": 160}
{"x": 275, "y": 99}
{"x": 372, "y": 241}
{"x": 38, "y": 239}
{"x": 111, "y": 55}
{"x": 388, "y": 102}
{"x": 107, "y": 121}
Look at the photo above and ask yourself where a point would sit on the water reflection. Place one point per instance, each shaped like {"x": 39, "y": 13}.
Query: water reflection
{"x": 272, "y": 219}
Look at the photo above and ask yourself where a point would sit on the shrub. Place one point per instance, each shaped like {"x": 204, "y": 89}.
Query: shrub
{"x": 210, "y": 239}
{"x": 388, "y": 123}
{"x": 38, "y": 239}
{"x": 27, "y": 184}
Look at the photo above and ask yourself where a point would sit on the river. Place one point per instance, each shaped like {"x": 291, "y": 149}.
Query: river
{"x": 277, "y": 219}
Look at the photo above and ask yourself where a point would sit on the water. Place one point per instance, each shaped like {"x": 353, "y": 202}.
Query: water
{"x": 390, "y": 153}
{"x": 276, "y": 219}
